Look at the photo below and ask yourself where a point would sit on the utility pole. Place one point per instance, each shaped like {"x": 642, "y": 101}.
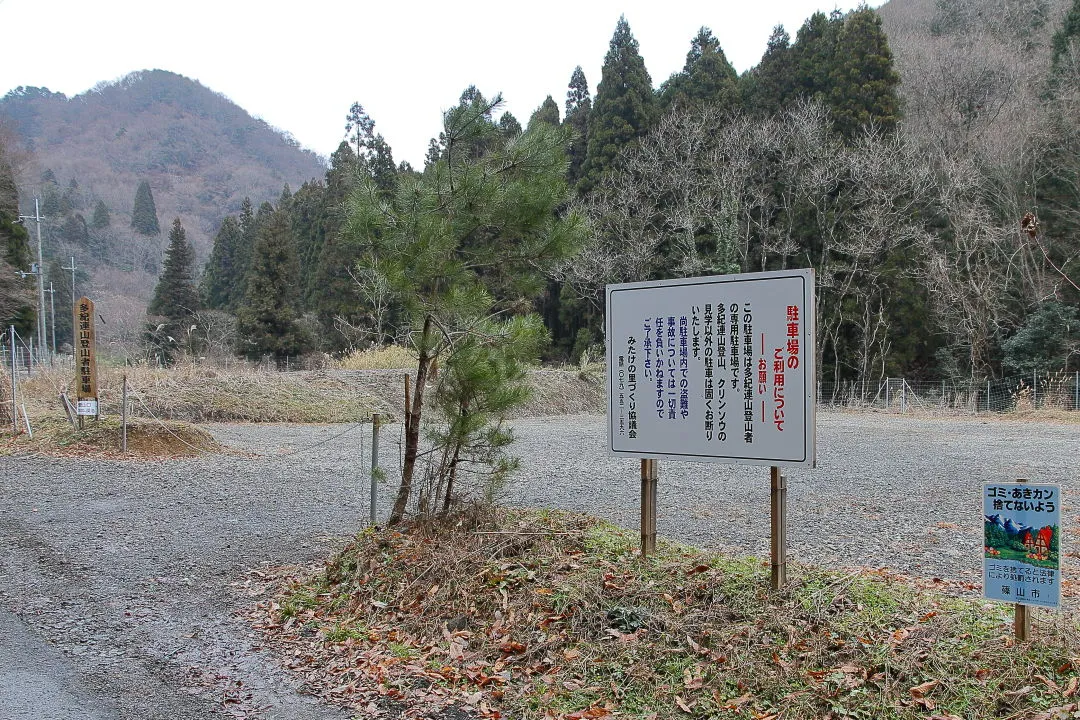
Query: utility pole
{"x": 74, "y": 319}
{"x": 72, "y": 269}
{"x": 52, "y": 312}
{"x": 40, "y": 274}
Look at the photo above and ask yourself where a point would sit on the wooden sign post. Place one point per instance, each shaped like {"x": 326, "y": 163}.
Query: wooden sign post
{"x": 778, "y": 493}
{"x": 649, "y": 475}
{"x": 85, "y": 361}
{"x": 1021, "y": 615}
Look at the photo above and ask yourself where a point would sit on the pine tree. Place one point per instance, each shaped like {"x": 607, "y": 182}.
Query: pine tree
{"x": 767, "y": 88}
{"x": 307, "y": 218}
{"x": 626, "y": 107}
{"x": 863, "y": 82}
{"x": 372, "y": 151}
{"x": 175, "y": 301}
{"x": 101, "y": 218}
{"x": 469, "y": 227}
{"x": 707, "y": 78}
{"x": 16, "y": 297}
{"x": 548, "y": 112}
{"x": 223, "y": 279}
{"x": 144, "y": 218}
{"x": 333, "y": 291}
{"x": 1066, "y": 46}
{"x": 510, "y": 126}
{"x": 578, "y": 109}
{"x": 266, "y": 322}
{"x": 74, "y": 231}
{"x": 814, "y": 56}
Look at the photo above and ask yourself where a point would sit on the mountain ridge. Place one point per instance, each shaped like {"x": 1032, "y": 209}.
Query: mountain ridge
{"x": 201, "y": 153}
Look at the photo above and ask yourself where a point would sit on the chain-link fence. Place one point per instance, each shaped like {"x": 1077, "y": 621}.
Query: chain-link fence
{"x": 1037, "y": 391}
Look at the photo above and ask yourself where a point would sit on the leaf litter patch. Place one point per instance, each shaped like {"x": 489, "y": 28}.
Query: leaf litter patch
{"x": 539, "y": 614}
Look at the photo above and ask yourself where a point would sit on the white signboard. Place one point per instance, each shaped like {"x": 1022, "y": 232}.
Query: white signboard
{"x": 1021, "y": 543}
{"x": 87, "y": 408}
{"x": 713, "y": 369}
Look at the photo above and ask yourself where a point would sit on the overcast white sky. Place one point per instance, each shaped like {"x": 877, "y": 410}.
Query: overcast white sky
{"x": 300, "y": 65}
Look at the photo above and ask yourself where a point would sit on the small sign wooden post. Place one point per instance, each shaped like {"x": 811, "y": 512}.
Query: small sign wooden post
{"x": 1021, "y": 616}
{"x": 85, "y": 361}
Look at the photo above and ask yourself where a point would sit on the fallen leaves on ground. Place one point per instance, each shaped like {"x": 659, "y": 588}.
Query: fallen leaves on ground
{"x": 552, "y": 616}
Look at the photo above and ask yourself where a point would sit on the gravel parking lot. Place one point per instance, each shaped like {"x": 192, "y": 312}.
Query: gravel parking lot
{"x": 119, "y": 580}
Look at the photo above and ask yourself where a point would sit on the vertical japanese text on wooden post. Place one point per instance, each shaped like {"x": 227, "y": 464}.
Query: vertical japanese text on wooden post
{"x": 85, "y": 359}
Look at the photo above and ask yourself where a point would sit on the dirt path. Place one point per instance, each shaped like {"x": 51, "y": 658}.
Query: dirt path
{"x": 119, "y": 581}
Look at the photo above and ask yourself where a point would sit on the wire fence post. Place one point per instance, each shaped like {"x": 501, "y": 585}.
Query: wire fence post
{"x": 988, "y": 396}
{"x": 1034, "y": 389}
{"x": 1076, "y": 391}
{"x": 375, "y": 418}
{"x": 124, "y": 416}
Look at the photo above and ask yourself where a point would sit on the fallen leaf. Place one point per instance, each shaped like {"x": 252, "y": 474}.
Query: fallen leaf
{"x": 1026, "y": 690}
{"x": 921, "y": 691}
{"x": 1071, "y": 686}
{"x": 1050, "y": 684}
{"x": 738, "y": 702}
{"x": 1057, "y": 713}
{"x": 683, "y": 706}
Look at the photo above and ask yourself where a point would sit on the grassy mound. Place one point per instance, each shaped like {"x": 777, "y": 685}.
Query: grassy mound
{"x": 54, "y": 435}
{"x": 552, "y": 615}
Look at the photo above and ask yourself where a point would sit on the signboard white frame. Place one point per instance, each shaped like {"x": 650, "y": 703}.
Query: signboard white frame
{"x": 775, "y": 424}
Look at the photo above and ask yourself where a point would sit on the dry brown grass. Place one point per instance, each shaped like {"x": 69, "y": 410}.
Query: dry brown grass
{"x": 245, "y": 394}
{"x": 54, "y": 435}
{"x": 390, "y": 357}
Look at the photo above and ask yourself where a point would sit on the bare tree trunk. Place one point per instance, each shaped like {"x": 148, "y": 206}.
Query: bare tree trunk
{"x": 412, "y": 426}
{"x": 450, "y": 480}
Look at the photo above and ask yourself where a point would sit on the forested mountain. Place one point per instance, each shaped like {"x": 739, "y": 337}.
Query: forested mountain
{"x": 115, "y": 166}
{"x": 199, "y": 153}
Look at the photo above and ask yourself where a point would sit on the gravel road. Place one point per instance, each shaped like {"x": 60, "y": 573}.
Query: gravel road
{"x": 119, "y": 581}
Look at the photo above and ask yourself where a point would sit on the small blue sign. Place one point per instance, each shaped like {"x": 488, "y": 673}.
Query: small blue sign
{"x": 1021, "y": 543}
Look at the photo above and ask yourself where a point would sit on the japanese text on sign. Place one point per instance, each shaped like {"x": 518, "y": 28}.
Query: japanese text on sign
{"x": 726, "y": 364}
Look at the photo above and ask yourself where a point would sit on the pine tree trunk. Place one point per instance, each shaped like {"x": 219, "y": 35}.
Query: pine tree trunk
{"x": 412, "y": 427}
{"x": 450, "y": 481}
